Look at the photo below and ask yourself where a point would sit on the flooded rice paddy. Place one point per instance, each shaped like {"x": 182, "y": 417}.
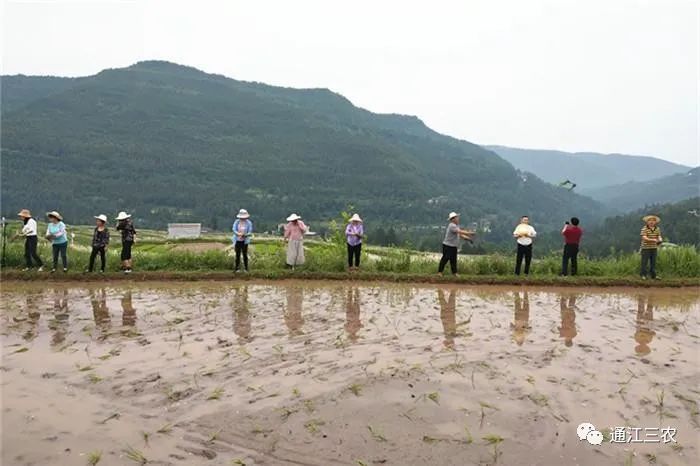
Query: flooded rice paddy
{"x": 306, "y": 373}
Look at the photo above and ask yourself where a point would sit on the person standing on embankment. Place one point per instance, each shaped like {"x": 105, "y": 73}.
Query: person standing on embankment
{"x": 31, "y": 240}
{"x": 126, "y": 226}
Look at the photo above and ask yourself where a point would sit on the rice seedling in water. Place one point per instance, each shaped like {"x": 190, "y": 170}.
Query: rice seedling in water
{"x": 296, "y": 393}
{"x": 361, "y": 463}
{"x": 313, "y": 425}
{"x": 94, "y": 457}
{"x": 469, "y": 439}
{"x": 166, "y": 429}
{"x": 376, "y": 434}
{"x": 238, "y": 462}
{"x": 216, "y": 394}
{"x": 355, "y": 389}
{"x": 286, "y": 412}
{"x": 145, "y": 436}
{"x": 651, "y": 458}
{"x": 214, "y": 436}
{"x": 257, "y": 430}
{"x": 135, "y": 455}
{"x": 309, "y": 405}
{"x": 21, "y": 350}
{"x": 434, "y": 397}
{"x": 94, "y": 378}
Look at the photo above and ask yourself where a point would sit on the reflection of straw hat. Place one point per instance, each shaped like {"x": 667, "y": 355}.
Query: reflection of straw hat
{"x": 24, "y": 213}
{"x": 452, "y": 215}
{"x": 123, "y": 215}
{"x": 293, "y": 217}
{"x": 355, "y": 218}
{"x": 54, "y": 214}
{"x": 102, "y": 217}
{"x": 646, "y": 218}
{"x": 243, "y": 214}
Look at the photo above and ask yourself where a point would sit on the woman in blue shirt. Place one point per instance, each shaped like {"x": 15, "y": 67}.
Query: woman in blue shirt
{"x": 242, "y": 232}
{"x": 56, "y": 233}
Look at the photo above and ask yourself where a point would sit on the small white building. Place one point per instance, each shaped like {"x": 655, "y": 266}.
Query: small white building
{"x": 184, "y": 230}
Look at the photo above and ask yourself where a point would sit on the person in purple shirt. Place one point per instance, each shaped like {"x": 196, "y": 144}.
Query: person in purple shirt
{"x": 354, "y": 233}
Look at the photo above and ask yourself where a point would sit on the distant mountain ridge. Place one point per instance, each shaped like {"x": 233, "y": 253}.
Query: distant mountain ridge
{"x": 589, "y": 170}
{"x": 636, "y": 194}
{"x": 172, "y": 143}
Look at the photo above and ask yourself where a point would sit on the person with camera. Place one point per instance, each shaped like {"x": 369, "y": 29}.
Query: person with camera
{"x": 572, "y": 237}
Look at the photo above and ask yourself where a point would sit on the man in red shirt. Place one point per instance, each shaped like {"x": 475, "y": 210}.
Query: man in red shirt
{"x": 572, "y": 237}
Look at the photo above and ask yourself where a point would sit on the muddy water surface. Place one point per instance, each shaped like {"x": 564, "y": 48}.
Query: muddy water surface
{"x": 335, "y": 373}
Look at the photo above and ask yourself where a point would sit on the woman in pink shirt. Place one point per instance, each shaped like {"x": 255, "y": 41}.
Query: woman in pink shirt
{"x": 294, "y": 235}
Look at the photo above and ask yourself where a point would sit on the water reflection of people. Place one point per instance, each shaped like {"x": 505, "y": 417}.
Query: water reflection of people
{"x": 33, "y": 316}
{"x": 568, "y": 318}
{"x": 128, "y": 311}
{"x": 100, "y": 311}
{"x": 645, "y": 315}
{"x": 292, "y": 313}
{"x": 59, "y": 323}
{"x": 521, "y": 318}
{"x": 448, "y": 316}
{"x": 241, "y": 315}
{"x": 352, "y": 314}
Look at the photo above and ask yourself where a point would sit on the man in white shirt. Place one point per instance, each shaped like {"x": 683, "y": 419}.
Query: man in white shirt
{"x": 30, "y": 240}
{"x": 523, "y": 234}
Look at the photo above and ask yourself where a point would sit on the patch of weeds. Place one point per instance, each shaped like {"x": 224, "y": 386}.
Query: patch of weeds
{"x": 94, "y": 457}
{"x": 216, "y": 394}
{"x": 376, "y": 434}
{"x": 135, "y": 455}
{"x": 355, "y": 389}
{"x": 313, "y": 425}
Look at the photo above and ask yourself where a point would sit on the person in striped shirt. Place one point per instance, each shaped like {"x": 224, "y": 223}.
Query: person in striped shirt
{"x": 651, "y": 239}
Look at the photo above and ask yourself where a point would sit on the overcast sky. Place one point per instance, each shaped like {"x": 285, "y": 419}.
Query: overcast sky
{"x": 577, "y": 75}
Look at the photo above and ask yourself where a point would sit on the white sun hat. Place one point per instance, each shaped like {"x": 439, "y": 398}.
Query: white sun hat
{"x": 293, "y": 217}
{"x": 123, "y": 215}
{"x": 102, "y": 217}
{"x": 355, "y": 218}
{"x": 243, "y": 214}
{"x": 54, "y": 214}
{"x": 452, "y": 215}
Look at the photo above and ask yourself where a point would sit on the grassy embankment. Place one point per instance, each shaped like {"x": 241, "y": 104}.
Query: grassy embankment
{"x": 210, "y": 258}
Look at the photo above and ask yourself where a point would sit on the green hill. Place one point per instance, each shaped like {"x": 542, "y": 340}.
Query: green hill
{"x": 637, "y": 194}
{"x": 680, "y": 224}
{"x": 172, "y": 143}
{"x": 589, "y": 170}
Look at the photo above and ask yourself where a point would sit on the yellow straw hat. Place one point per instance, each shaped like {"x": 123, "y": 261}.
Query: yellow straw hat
{"x": 24, "y": 213}
{"x": 646, "y": 218}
